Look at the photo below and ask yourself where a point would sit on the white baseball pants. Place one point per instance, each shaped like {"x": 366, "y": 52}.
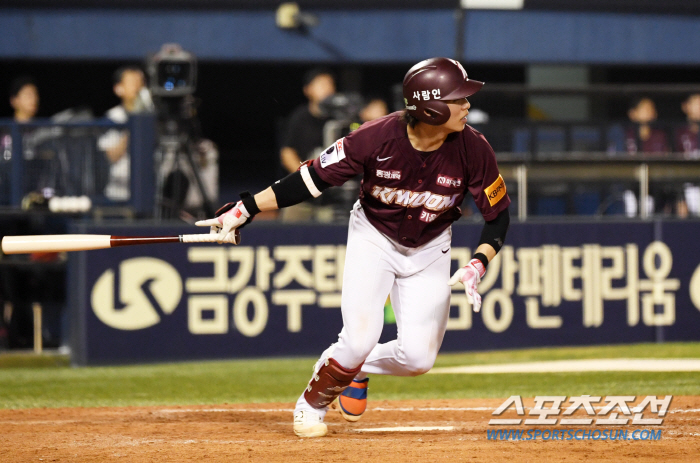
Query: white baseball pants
{"x": 416, "y": 278}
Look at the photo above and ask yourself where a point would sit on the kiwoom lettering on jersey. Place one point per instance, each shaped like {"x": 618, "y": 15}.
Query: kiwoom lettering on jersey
{"x": 407, "y": 198}
{"x": 390, "y": 174}
{"x": 496, "y": 191}
{"x": 444, "y": 180}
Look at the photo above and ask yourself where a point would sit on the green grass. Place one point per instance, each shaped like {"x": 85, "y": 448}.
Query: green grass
{"x": 648, "y": 350}
{"x": 28, "y": 381}
{"x": 29, "y": 359}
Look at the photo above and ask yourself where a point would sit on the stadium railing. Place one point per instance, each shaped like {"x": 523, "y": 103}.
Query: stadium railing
{"x": 43, "y": 158}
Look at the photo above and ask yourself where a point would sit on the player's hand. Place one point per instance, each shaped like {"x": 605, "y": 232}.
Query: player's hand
{"x": 470, "y": 276}
{"x": 226, "y": 223}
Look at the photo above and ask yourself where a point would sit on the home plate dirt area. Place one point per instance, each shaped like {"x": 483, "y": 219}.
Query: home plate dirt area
{"x": 390, "y": 431}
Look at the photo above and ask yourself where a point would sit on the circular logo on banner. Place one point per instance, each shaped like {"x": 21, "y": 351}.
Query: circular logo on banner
{"x": 695, "y": 288}
{"x": 146, "y": 288}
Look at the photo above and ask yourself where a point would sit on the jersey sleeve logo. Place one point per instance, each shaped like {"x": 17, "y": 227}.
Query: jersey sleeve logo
{"x": 334, "y": 153}
{"x": 496, "y": 191}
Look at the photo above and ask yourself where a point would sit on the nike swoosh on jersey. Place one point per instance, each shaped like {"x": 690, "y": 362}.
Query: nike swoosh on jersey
{"x": 383, "y": 159}
{"x": 445, "y": 251}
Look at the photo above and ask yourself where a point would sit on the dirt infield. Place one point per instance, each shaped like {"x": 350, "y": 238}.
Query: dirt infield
{"x": 263, "y": 432}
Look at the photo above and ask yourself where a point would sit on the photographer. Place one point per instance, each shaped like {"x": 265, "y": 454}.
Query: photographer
{"x": 304, "y": 136}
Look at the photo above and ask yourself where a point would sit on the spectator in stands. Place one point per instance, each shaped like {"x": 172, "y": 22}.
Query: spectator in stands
{"x": 687, "y": 138}
{"x": 24, "y": 98}
{"x": 642, "y": 136}
{"x": 128, "y": 82}
{"x": 687, "y": 141}
{"x": 303, "y": 139}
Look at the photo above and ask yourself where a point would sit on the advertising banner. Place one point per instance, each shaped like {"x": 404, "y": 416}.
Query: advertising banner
{"x": 279, "y": 292}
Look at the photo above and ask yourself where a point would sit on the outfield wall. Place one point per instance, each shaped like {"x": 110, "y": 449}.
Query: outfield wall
{"x": 563, "y": 283}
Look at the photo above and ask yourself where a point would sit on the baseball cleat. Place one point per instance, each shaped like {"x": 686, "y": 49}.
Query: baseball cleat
{"x": 309, "y": 424}
{"x": 353, "y": 400}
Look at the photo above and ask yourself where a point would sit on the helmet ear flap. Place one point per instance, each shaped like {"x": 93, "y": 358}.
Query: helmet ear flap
{"x": 437, "y": 113}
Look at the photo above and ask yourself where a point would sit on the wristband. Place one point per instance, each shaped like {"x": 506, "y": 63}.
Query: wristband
{"x": 249, "y": 203}
{"x": 482, "y": 257}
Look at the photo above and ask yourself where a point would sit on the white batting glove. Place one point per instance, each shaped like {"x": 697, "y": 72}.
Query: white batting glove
{"x": 226, "y": 223}
{"x": 470, "y": 276}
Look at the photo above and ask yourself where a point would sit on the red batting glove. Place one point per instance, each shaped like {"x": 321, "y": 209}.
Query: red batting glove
{"x": 470, "y": 276}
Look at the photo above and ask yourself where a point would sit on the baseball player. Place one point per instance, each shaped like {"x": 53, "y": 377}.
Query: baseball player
{"x": 417, "y": 166}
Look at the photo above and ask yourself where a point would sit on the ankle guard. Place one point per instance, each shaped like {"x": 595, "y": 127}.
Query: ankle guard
{"x": 328, "y": 383}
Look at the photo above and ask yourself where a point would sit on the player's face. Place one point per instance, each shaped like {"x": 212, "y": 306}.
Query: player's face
{"x": 458, "y": 114}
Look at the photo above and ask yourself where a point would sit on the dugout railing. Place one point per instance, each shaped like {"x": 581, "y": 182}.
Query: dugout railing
{"x": 551, "y": 168}
{"x": 43, "y": 158}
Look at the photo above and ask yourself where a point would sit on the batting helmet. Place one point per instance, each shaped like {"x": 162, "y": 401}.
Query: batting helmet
{"x": 433, "y": 80}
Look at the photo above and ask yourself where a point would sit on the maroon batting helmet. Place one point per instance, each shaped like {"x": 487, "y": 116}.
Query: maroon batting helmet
{"x": 433, "y": 80}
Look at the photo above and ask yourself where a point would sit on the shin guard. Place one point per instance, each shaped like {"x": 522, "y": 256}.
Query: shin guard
{"x": 327, "y": 384}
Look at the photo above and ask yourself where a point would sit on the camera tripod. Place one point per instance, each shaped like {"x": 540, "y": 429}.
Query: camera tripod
{"x": 177, "y": 169}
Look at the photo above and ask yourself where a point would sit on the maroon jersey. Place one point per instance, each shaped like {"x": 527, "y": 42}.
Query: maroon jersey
{"x": 687, "y": 140}
{"x": 656, "y": 143}
{"x": 409, "y": 195}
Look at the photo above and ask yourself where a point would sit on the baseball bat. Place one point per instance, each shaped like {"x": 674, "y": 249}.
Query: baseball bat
{"x": 61, "y": 243}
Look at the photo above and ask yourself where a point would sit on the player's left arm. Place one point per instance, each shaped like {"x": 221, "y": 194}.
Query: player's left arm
{"x": 489, "y": 191}
{"x": 493, "y": 235}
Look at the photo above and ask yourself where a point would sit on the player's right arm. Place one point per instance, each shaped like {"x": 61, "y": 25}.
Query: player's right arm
{"x": 340, "y": 162}
{"x": 295, "y": 188}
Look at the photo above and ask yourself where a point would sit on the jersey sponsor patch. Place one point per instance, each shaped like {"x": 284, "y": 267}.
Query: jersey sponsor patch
{"x": 496, "y": 191}
{"x": 334, "y": 153}
{"x": 390, "y": 174}
{"x": 444, "y": 180}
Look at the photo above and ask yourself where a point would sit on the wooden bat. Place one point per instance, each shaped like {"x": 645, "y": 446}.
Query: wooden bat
{"x": 61, "y": 243}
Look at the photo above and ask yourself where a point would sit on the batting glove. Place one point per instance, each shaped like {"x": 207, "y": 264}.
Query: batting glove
{"x": 226, "y": 223}
{"x": 470, "y": 276}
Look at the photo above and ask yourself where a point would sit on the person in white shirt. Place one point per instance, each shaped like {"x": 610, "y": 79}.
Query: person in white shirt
{"x": 129, "y": 81}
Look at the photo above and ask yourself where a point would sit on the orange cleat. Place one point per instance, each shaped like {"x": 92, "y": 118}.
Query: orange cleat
{"x": 353, "y": 400}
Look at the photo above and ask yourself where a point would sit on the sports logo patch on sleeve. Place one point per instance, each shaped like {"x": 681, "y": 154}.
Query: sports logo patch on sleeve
{"x": 334, "y": 153}
{"x": 496, "y": 191}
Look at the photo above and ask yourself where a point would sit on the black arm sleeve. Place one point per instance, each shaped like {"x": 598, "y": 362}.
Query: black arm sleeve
{"x": 292, "y": 190}
{"x": 494, "y": 231}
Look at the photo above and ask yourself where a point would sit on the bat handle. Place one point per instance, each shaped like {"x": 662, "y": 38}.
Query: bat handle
{"x": 207, "y": 238}
{"x": 198, "y": 238}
